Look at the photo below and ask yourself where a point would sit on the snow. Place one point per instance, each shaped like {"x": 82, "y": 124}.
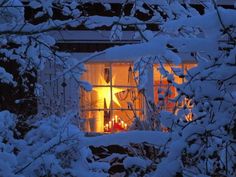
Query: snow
{"x": 85, "y": 85}
{"x": 6, "y": 77}
{"x": 56, "y": 146}
{"x": 166, "y": 118}
{"x": 131, "y": 161}
{"x": 124, "y": 138}
{"x": 168, "y": 169}
{"x": 207, "y": 22}
{"x": 100, "y": 21}
{"x": 10, "y": 14}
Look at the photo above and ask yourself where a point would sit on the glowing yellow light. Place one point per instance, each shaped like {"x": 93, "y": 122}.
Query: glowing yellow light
{"x": 189, "y": 117}
{"x": 105, "y": 92}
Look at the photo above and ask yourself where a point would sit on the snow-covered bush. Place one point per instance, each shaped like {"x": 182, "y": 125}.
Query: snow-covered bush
{"x": 49, "y": 148}
{"x": 8, "y": 150}
{"x": 205, "y": 143}
{"x": 52, "y": 147}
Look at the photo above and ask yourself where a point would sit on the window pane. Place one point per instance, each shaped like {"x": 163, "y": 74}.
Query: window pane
{"x": 128, "y": 98}
{"x": 164, "y": 91}
{"x": 98, "y": 98}
{"x": 95, "y": 120}
{"x": 172, "y": 69}
{"x": 97, "y": 73}
{"x": 123, "y": 74}
{"x": 109, "y": 97}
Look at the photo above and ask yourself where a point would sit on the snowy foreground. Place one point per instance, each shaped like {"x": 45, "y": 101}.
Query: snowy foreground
{"x": 56, "y": 147}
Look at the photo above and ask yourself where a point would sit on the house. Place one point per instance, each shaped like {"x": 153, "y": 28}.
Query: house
{"x": 115, "y": 99}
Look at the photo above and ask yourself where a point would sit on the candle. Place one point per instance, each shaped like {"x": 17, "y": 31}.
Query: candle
{"x": 125, "y": 126}
{"x": 113, "y": 121}
{"x": 116, "y": 118}
{"x": 109, "y": 124}
{"x": 122, "y": 124}
{"x": 106, "y": 127}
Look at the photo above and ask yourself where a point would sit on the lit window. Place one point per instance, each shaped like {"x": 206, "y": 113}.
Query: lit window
{"x": 114, "y": 101}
